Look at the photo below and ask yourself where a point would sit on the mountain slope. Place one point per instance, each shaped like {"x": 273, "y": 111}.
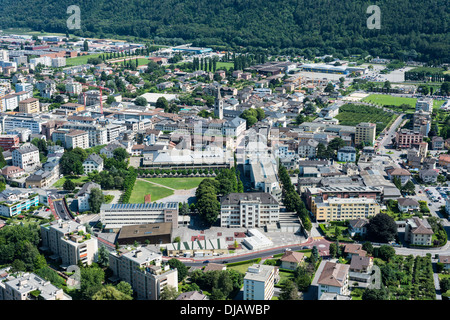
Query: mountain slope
{"x": 315, "y": 24}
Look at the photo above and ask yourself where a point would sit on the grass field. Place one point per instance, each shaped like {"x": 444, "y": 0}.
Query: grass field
{"x": 142, "y": 188}
{"x": 81, "y": 59}
{"x": 388, "y": 100}
{"x": 177, "y": 183}
{"x": 141, "y": 61}
{"x": 26, "y": 31}
{"x": 78, "y": 181}
{"x": 221, "y": 65}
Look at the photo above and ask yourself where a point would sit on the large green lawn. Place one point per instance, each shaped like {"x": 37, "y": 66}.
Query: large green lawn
{"x": 142, "y": 188}
{"x": 388, "y": 100}
{"x": 177, "y": 183}
{"x": 81, "y": 59}
{"x": 78, "y": 181}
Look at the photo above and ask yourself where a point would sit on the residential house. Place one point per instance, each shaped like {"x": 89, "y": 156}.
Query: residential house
{"x": 428, "y": 175}
{"x": 351, "y": 249}
{"x": 291, "y": 260}
{"x": 418, "y": 232}
{"x": 437, "y": 143}
{"x": 361, "y": 269}
{"x": 358, "y": 227}
{"x": 408, "y": 204}
{"x": 403, "y": 174}
{"x": 334, "y": 278}
{"x": 445, "y": 260}
{"x": 83, "y": 196}
{"x": 93, "y": 163}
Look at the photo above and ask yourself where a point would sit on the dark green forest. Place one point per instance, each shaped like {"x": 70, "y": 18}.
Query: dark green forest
{"x": 409, "y": 28}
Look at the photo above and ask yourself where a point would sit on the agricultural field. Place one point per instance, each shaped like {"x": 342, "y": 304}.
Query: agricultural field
{"x": 352, "y": 114}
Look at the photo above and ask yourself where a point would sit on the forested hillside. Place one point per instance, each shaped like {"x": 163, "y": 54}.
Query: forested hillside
{"x": 415, "y": 28}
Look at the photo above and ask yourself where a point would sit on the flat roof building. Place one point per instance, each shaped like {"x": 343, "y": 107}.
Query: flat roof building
{"x": 116, "y": 216}
{"x": 154, "y": 233}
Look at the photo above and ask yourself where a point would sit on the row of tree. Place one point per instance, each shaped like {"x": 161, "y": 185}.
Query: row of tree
{"x": 292, "y": 200}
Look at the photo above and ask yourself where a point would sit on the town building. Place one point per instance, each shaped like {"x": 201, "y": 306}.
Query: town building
{"x": 249, "y": 210}
{"x": 334, "y": 278}
{"x": 77, "y": 139}
{"x": 69, "y": 242}
{"x": 346, "y": 154}
{"x": 26, "y": 157}
{"x": 13, "y": 202}
{"x": 144, "y": 271}
{"x": 30, "y": 105}
{"x": 152, "y": 233}
{"x": 29, "y": 286}
{"x": 365, "y": 133}
{"x": 259, "y": 282}
{"x": 9, "y": 141}
{"x": 340, "y": 209}
{"x": 115, "y": 216}
{"x": 418, "y": 232}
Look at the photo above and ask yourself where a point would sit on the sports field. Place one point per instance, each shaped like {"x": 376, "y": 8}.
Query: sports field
{"x": 388, "y": 100}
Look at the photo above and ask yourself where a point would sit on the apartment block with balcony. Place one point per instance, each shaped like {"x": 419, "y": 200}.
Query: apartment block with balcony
{"x": 365, "y": 133}
{"x": 28, "y": 286}
{"x": 77, "y": 139}
{"x": 30, "y": 105}
{"x": 13, "y": 202}
{"x": 26, "y": 157}
{"x": 249, "y": 210}
{"x": 143, "y": 269}
{"x": 69, "y": 241}
{"x": 339, "y": 209}
{"x": 259, "y": 282}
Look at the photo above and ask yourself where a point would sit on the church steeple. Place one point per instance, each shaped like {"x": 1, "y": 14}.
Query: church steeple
{"x": 218, "y": 105}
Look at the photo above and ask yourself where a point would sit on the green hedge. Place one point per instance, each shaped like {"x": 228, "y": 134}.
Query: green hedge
{"x": 233, "y": 264}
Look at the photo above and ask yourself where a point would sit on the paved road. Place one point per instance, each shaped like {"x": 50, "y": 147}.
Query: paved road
{"x": 61, "y": 209}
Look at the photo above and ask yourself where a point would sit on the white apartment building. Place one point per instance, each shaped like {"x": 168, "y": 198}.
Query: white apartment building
{"x": 84, "y": 194}
{"x": 26, "y": 157}
{"x": 28, "y": 286}
{"x": 4, "y": 55}
{"x": 69, "y": 241}
{"x": 28, "y": 121}
{"x": 249, "y": 210}
{"x": 97, "y": 134}
{"x": 77, "y": 138}
{"x": 143, "y": 270}
{"x": 259, "y": 282}
{"x": 74, "y": 88}
{"x": 58, "y": 62}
